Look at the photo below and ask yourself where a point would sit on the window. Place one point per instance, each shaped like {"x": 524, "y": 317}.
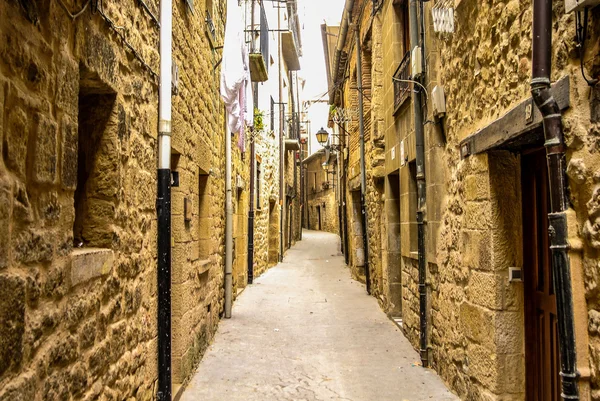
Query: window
{"x": 401, "y": 10}
{"x": 96, "y": 190}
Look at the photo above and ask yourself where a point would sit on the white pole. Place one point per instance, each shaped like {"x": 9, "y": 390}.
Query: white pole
{"x": 228, "y": 222}
{"x": 164, "y": 111}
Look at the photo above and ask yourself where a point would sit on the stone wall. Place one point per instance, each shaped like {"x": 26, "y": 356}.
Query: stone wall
{"x": 266, "y": 216}
{"x": 473, "y": 228}
{"x": 479, "y": 234}
{"x": 322, "y": 204}
{"x": 373, "y": 107}
{"x": 78, "y": 260}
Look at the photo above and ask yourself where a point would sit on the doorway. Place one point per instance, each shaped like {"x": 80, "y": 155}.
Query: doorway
{"x": 319, "y": 227}
{"x": 541, "y": 335}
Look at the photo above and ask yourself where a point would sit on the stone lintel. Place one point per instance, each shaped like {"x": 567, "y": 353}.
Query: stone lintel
{"x": 90, "y": 263}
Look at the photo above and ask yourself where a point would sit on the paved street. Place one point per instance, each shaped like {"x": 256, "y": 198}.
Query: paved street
{"x": 306, "y": 331}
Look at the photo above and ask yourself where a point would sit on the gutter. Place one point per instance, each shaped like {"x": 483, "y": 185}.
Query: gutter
{"x": 557, "y": 217}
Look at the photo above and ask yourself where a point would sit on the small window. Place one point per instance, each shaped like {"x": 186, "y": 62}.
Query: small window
{"x": 96, "y": 191}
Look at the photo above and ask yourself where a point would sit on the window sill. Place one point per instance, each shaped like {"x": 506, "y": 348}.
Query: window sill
{"x": 90, "y": 263}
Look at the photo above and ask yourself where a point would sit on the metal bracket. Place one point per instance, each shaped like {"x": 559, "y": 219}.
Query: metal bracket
{"x": 174, "y": 179}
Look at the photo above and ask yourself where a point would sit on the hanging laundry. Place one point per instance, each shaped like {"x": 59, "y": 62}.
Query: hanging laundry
{"x": 233, "y": 73}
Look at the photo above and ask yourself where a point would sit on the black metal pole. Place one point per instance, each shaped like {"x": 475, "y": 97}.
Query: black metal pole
{"x": 363, "y": 173}
{"x": 252, "y": 179}
{"x": 251, "y": 216}
{"x": 416, "y": 20}
{"x": 557, "y": 217}
{"x": 163, "y": 209}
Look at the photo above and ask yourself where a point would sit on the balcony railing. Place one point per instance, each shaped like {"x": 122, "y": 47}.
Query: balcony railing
{"x": 292, "y": 125}
{"x": 402, "y": 88}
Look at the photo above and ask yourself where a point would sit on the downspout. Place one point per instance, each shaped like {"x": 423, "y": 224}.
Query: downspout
{"x": 163, "y": 204}
{"x": 421, "y": 184}
{"x": 228, "y": 223}
{"x": 251, "y": 215}
{"x": 342, "y": 126}
{"x": 557, "y": 217}
{"x": 252, "y": 168}
{"x": 338, "y": 199}
{"x": 281, "y": 144}
{"x": 363, "y": 175}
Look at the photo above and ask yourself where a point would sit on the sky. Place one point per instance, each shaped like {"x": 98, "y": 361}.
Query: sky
{"x": 312, "y": 14}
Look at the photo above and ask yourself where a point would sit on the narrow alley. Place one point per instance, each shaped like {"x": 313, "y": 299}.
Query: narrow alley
{"x": 306, "y": 331}
{"x": 299, "y": 200}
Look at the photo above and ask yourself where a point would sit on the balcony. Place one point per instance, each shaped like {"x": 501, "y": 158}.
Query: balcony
{"x": 291, "y": 44}
{"x": 259, "y": 65}
{"x": 402, "y": 89}
{"x": 292, "y": 134}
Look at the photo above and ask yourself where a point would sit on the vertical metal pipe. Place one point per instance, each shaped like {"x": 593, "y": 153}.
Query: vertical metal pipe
{"x": 557, "y": 217}
{"x": 281, "y": 143}
{"x": 251, "y": 215}
{"x": 252, "y": 169}
{"x": 421, "y": 183}
{"x": 363, "y": 173}
{"x": 163, "y": 205}
{"x": 228, "y": 224}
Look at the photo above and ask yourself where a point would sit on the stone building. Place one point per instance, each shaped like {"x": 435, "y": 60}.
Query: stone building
{"x": 344, "y": 95}
{"x": 78, "y": 139}
{"x": 321, "y": 192}
{"x": 485, "y": 222}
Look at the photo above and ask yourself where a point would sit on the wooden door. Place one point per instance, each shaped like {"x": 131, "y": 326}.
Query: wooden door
{"x": 541, "y": 338}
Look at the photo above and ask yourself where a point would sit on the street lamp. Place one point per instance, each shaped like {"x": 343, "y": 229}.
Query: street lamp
{"x": 322, "y": 136}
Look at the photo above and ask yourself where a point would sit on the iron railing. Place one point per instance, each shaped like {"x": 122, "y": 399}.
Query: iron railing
{"x": 402, "y": 88}
{"x": 292, "y": 126}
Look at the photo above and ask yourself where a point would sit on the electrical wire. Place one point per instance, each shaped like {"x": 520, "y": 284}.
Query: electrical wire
{"x": 78, "y": 13}
{"x": 412, "y": 82}
{"x": 581, "y": 32}
{"x": 117, "y": 29}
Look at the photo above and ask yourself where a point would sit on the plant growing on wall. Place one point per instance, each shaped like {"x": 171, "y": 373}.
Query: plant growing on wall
{"x": 259, "y": 124}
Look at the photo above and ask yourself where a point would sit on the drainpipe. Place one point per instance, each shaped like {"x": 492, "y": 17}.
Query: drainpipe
{"x": 252, "y": 167}
{"x": 251, "y": 217}
{"x": 163, "y": 204}
{"x": 421, "y": 184}
{"x": 555, "y": 152}
{"x": 281, "y": 144}
{"x": 228, "y": 223}
{"x": 363, "y": 175}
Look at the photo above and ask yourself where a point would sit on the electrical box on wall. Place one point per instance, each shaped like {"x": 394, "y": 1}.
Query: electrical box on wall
{"x": 416, "y": 62}
{"x": 578, "y": 5}
{"x": 438, "y": 100}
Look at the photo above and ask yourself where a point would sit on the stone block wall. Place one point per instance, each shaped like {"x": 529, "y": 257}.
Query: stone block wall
{"x": 78, "y": 261}
{"x": 479, "y": 219}
{"x": 320, "y": 196}
{"x": 266, "y": 216}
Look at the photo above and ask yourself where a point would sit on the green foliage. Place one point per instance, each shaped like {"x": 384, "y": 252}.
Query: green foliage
{"x": 259, "y": 124}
